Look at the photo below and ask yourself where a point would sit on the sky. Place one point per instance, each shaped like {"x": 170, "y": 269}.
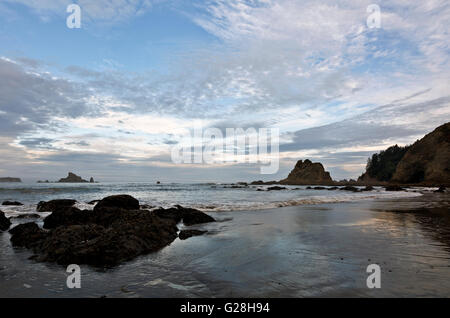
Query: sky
{"x": 112, "y": 98}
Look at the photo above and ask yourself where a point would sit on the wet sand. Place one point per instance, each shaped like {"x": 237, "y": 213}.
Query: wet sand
{"x": 300, "y": 251}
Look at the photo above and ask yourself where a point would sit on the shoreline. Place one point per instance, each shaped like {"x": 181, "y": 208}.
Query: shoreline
{"x": 300, "y": 251}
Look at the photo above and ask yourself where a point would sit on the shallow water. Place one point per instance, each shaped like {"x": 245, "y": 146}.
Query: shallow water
{"x": 298, "y": 251}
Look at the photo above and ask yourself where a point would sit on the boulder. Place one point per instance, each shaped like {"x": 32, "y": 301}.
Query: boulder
{"x": 367, "y": 188}
{"x": 349, "y": 188}
{"x": 5, "y": 223}
{"x": 53, "y": 205}
{"x": 440, "y": 190}
{"x": 276, "y": 188}
{"x": 27, "y": 235}
{"x": 307, "y": 172}
{"x": 122, "y": 201}
{"x": 187, "y": 215}
{"x": 66, "y": 216}
{"x": 193, "y": 216}
{"x": 11, "y": 203}
{"x": 27, "y": 216}
{"x": 394, "y": 188}
{"x": 185, "y": 234}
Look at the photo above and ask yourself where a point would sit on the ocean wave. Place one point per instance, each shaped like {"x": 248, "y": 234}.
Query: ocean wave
{"x": 311, "y": 200}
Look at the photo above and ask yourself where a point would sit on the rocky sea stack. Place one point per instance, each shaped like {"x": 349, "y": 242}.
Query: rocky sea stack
{"x": 73, "y": 178}
{"x": 307, "y": 172}
{"x": 114, "y": 232}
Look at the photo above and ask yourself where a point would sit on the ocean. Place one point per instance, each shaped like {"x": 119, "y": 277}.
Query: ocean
{"x": 203, "y": 196}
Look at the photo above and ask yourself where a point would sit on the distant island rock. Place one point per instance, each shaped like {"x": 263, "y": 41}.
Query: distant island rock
{"x": 307, "y": 172}
{"x": 9, "y": 179}
{"x": 73, "y": 178}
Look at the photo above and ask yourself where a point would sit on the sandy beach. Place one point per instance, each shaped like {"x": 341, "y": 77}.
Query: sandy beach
{"x": 319, "y": 250}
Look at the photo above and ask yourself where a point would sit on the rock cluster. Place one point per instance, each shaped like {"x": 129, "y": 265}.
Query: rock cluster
{"x": 114, "y": 232}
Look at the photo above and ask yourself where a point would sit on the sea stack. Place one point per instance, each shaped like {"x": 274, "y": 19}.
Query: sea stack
{"x": 91, "y": 180}
{"x": 307, "y": 172}
{"x": 72, "y": 178}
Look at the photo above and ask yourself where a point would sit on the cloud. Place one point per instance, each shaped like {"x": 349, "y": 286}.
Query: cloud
{"x": 337, "y": 90}
{"x": 99, "y": 11}
{"x": 30, "y": 100}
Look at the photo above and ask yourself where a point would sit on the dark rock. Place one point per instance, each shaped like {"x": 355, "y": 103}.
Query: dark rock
{"x": 106, "y": 236}
{"x": 72, "y": 178}
{"x": 11, "y": 203}
{"x": 122, "y": 201}
{"x": 185, "y": 234}
{"x": 27, "y": 235}
{"x": 349, "y": 188}
{"x": 187, "y": 215}
{"x": 308, "y": 188}
{"x": 259, "y": 182}
{"x": 27, "y": 216}
{"x": 307, "y": 172}
{"x": 66, "y": 216}
{"x": 53, "y": 205}
{"x": 146, "y": 207}
{"x": 332, "y": 188}
{"x": 91, "y": 180}
{"x": 394, "y": 188}
{"x": 193, "y": 216}
{"x": 368, "y": 188}
{"x": 102, "y": 241}
{"x": 5, "y": 223}
{"x": 275, "y": 188}
{"x": 440, "y": 190}
{"x": 259, "y": 190}
{"x": 319, "y": 188}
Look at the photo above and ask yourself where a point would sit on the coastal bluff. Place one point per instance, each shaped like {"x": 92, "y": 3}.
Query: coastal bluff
{"x": 308, "y": 172}
{"x": 9, "y": 179}
{"x": 426, "y": 162}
